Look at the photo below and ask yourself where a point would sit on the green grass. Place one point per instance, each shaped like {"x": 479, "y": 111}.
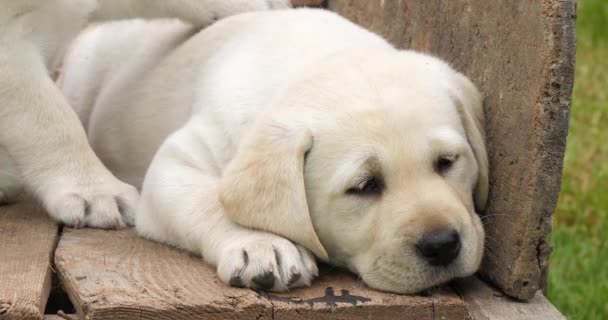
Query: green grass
{"x": 578, "y": 276}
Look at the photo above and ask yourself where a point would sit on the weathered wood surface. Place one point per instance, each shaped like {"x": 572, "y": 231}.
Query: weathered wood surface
{"x": 486, "y": 303}
{"x": 337, "y": 295}
{"x": 521, "y": 55}
{"x": 27, "y": 240}
{"x": 62, "y": 317}
{"x": 117, "y": 275}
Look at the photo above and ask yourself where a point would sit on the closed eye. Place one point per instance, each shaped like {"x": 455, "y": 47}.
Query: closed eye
{"x": 444, "y": 163}
{"x": 368, "y": 186}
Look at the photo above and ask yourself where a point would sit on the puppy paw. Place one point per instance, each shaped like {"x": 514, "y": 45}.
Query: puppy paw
{"x": 267, "y": 263}
{"x": 98, "y": 202}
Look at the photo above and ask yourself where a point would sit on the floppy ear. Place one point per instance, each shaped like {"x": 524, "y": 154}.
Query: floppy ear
{"x": 470, "y": 107}
{"x": 263, "y": 185}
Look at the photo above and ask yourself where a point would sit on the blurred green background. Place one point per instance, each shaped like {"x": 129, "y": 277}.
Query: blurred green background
{"x": 578, "y": 273}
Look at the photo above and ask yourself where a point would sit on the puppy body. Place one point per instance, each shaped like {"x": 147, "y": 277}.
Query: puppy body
{"x": 40, "y": 133}
{"x": 243, "y": 101}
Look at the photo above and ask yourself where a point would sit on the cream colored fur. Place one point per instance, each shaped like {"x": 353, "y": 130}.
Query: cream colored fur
{"x": 42, "y": 145}
{"x": 257, "y": 129}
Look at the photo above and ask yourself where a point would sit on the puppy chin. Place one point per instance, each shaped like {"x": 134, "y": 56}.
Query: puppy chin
{"x": 411, "y": 276}
{"x": 407, "y": 285}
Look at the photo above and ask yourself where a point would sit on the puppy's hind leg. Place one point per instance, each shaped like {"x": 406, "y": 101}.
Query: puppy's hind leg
{"x": 11, "y": 185}
{"x": 180, "y": 206}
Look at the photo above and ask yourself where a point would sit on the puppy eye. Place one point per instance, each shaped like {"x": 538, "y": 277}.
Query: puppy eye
{"x": 370, "y": 186}
{"x": 445, "y": 163}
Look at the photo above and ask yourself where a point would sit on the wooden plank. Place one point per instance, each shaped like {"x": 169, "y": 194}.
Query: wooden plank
{"x": 118, "y": 275}
{"x": 487, "y": 303}
{"x": 62, "y": 317}
{"x": 521, "y": 55}
{"x": 27, "y": 240}
{"x": 339, "y": 295}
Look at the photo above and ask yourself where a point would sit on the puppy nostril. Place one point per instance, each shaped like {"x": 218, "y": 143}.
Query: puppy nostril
{"x": 439, "y": 247}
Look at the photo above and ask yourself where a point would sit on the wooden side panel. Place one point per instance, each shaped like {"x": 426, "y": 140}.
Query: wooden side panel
{"x": 521, "y": 55}
{"x": 117, "y": 275}
{"x": 486, "y": 303}
{"x": 27, "y": 240}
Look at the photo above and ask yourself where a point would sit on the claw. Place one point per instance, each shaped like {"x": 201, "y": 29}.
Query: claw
{"x": 294, "y": 278}
{"x": 265, "y": 281}
{"x": 237, "y": 281}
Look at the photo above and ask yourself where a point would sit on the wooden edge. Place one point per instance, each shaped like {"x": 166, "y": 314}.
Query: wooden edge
{"x": 487, "y": 303}
{"x": 62, "y": 317}
{"x": 69, "y": 290}
{"x": 28, "y": 237}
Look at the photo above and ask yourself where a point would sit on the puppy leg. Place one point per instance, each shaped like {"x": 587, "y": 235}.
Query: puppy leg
{"x": 180, "y": 206}
{"x": 44, "y": 137}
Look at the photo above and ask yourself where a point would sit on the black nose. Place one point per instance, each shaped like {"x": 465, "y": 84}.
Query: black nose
{"x": 439, "y": 247}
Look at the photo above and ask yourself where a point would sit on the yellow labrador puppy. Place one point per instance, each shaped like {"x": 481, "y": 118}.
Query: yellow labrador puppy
{"x": 273, "y": 135}
{"x": 42, "y": 144}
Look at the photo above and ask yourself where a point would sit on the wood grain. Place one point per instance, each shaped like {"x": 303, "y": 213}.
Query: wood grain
{"x": 117, "y": 275}
{"x": 520, "y": 53}
{"x": 27, "y": 240}
{"x": 486, "y": 303}
{"x": 339, "y": 295}
{"x": 62, "y": 317}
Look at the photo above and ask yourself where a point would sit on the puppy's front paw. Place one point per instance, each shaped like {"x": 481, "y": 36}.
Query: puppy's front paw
{"x": 94, "y": 201}
{"x": 267, "y": 263}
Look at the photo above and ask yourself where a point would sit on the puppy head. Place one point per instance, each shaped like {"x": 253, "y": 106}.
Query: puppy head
{"x": 377, "y": 163}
